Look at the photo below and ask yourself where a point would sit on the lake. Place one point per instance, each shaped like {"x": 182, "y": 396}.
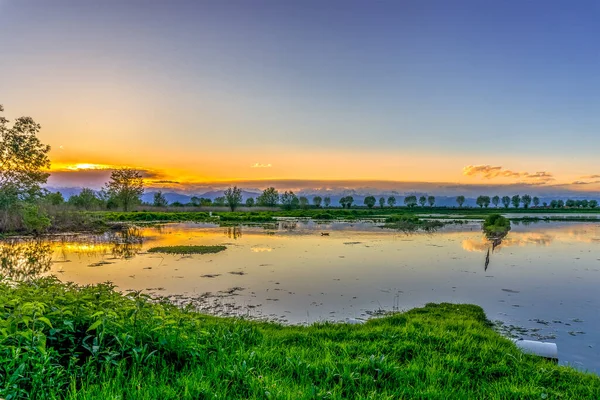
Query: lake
{"x": 542, "y": 281}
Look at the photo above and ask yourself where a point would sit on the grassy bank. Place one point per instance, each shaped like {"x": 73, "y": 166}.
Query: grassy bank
{"x": 187, "y": 249}
{"x": 65, "y": 341}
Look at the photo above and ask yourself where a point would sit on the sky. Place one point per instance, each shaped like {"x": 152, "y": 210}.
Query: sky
{"x": 314, "y": 92}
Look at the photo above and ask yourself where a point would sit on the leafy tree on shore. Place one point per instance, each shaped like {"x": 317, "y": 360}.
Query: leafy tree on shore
{"x": 496, "y": 201}
{"x": 268, "y": 198}
{"x": 410, "y": 201}
{"x": 126, "y": 186}
{"x": 526, "y": 200}
{"x": 584, "y": 203}
{"x": 381, "y": 202}
{"x": 54, "y": 199}
{"x": 431, "y": 200}
{"x": 560, "y": 203}
{"x": 553, "y": 204}
{"x": 483, "y": 201}
{"x": 516, "y": 200}
{"x": 195, "y": 201}
{"x": 303, "y": 201}
{"x": 536, "y": 201}
{"x": 506, "y": 201}
{"x": 460, "y": 200}
{"x": 219, "y": 201}
{"x": 593, "y": 203}
{"x": 289, "y": 200}
{"x": 233, "y": 197}
{"x": 250, "y": 202}
{"x": 370, "y": 201}
{"x": 422, "y": 201}
{"x": 317, "y": 201}
{"x": 391, "y": 201}
{"x": 346, "y": 201}
{"x": 326, "y": 201}
{"x": 160, "y": 200}
{"x": 570, "y": 203}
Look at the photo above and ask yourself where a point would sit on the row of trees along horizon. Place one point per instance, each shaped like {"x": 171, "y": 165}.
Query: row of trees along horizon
{"x": 26, "y": 206}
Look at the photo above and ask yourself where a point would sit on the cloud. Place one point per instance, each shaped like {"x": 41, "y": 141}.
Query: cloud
{"x": 490, "y": 172}
{"x": 258, "y": 165}
{"x": 590, "y": 177}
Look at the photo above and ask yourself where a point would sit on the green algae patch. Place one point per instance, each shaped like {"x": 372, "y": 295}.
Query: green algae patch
{"x": 187, "y": 249}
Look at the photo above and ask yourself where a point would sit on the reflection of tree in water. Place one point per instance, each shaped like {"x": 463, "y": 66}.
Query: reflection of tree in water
{"x": 24, "y": 259}
{"x": 288, "y": 225}
{"x": 126, "y": 243}
{"x": 233, "y": 232}
{"x": 495, "y": 240}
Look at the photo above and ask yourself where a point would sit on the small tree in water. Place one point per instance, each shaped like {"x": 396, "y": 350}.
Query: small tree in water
{"x": 126, "y": 186}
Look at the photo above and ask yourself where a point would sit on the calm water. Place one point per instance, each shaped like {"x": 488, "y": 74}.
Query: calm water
{"x": 544, "y": 277}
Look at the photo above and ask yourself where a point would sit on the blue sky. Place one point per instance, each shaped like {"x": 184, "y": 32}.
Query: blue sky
{"x": 366, "y": 89}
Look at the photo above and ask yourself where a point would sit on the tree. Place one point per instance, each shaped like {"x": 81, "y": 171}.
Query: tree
{"x": 391, "y": 201}
{"x": 219, "y": 201}
{"x": 560, "y": 204}
{"x": 160, "y": 200}
{"x": 54, "y": 199}
{"x": 370, "y": 201}
{"x": 496, "y": 201}
{"x": 23, "y": 158}
{"x": 516, "y": 200}
{"x": 505, "y": 201}
{"x": 553, "y": 204}
{"x": 86, "y": 199}
{"x": 536, "y": 201}
{"x": 381, "y": 202}
{"x": 480, "y": 201}
{"x": 233, "y": 197}
{"x": 268, "y": 198}
{"x": 317, "y": 201}
{"x": 431, "y": 200}
{"x": 205, "y": 202}
{"x": 126, "y": 186}
{"x": 410, "y": 201}
{"x": 526, "y": 200}
{"x": 326, "y": 201}
{"x": 303, "y": 201}
{"x": 346, "y": 201}
{"x": 195, "y": 201}
{"x": 422, "y": 201}
{"x": 585, "y": 203}
{"x": 593, "y": 203}
{"x": 249, "y": 202}
{"x": 460, "y": 200}
{"x": 289, "y": 200}
{"x": 570, "y": 203}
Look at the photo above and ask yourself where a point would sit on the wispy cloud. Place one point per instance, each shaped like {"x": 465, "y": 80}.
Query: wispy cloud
{"x": 590, "y": 177}
{"x": 491, "y": 172}
{"x": 259, "y": 165}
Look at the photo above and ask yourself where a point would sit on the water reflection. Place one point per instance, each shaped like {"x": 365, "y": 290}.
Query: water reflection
{"x": 25, "y": 259}
{"x": 233, "y": 232}
{"x": 126, "y": 243}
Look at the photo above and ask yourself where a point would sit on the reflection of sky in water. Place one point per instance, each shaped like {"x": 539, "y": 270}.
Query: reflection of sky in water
{"x": 549, "y": 272}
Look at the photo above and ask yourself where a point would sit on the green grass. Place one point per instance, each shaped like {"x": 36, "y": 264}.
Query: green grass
{"x": 89, "y": 342}
{"x": 187, "y": 249}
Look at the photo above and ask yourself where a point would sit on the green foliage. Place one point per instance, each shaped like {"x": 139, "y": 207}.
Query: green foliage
{"x": 431, "y": 200}
{"x": 410, "y": 201}
{"x": 126, "y": 186}
{"x": 251, "y": 216}
{"x": 35, "y": 219}
{"x": 289, "y": 200}
{"x": 526, "y": 200}
{"x": 160, "y": 200}
{"x": 460, "y": 200}
{"x": 496, "y": 201}
{"x": 219, "y": 201}
{"x": 536, "y": 201}
{"x": 506, "y": 201}
{"x": 483, "y": 201}
{"x": 54, "y": 199}
{"x": 496, "y": 225}
{"x": 326, "y": 201}
{"x": 411, "y": 223}
{"x": 593, "y": 203}
{"x": 249, "y": 202}
{"x": 381, "y": 202}
{"x": 153, "y": 216}
{"x": 317, "y": 201}
{"x": 391, "y": 201}
{"x": 303, "y": 202}
{"x": 233, "y": 197}
{"x": 346, "y": 201}
{"x": 78, "y": 342}
{"x": 516, "y": 200}
{"x": 422, "y": 201}
{"x": 370, "y": 201}
{"x": 86, "y": 199}
{"x": 268, "y": 198}
{"x": 187, "y": 249}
